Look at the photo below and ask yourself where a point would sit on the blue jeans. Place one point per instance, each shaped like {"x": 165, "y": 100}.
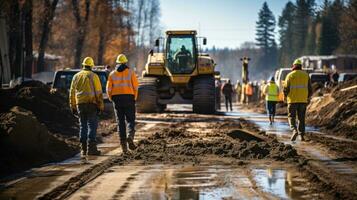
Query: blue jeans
{"x": 88, "y": 122}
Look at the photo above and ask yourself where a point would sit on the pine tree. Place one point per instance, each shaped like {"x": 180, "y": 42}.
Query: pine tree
{"x": 330, "y": 20}
{"x": 304, "y": 13}
{"x": 348, "y": 29}
{"x": 285, "y": 24}
{"x": 265, "y": 28}
{"x": 265, "y": 35}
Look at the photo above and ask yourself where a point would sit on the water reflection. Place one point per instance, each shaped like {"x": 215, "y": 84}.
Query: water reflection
{"x": 280, "y": 183}
{"x": 221, "y": 182}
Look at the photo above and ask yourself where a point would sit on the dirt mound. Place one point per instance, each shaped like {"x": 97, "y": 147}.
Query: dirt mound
{"x": 336, "y": 112}
{"x": 50, "y": 108}
{"x": 25, "y": 142}
{"x": 176, "y": 144}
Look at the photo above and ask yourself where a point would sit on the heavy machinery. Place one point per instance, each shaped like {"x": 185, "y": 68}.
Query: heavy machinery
{"x": 178, "y": 73}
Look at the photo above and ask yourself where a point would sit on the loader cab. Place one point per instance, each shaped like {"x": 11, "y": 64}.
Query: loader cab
{"x": 181, "y": 52}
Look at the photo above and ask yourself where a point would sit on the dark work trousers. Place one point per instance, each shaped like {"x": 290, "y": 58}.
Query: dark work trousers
{"x": 299, "y": 110}
{"x": 124, "y": 106}
{"x": 271, "y": 108}
{"x": 228, "y": 99}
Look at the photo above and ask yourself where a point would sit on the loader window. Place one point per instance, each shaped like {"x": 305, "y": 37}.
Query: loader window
{"x": 180, "y": 54}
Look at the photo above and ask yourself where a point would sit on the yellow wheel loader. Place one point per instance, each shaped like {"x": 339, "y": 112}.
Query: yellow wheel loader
{"x": 178, "y": 73}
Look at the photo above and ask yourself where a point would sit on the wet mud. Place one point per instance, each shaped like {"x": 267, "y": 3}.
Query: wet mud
{"x": 179, "y": 143}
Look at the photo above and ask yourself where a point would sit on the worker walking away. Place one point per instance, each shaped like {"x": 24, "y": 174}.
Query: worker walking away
{"x": 218, "y": 86}
{"x": 122, "y": 89}
{"x": 238, "y": 90}
{"x": 86, "y": 98}
{"x": 297, "y": 91}
{"x": 227, "y": 90}
{"x": 249, "y": 92}
{"x": 271, "y": 92}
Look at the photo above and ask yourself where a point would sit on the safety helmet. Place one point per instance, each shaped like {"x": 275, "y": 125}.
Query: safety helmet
{"x": 297, "y": 62}
{"x": 121, "y": 59}
{"x": 88, "y": 61}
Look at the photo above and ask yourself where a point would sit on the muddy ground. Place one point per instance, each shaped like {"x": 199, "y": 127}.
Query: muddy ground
{"x": 335, "y": 112}
{"x": 36, "y": 127}
{"x": 181, "y": 142}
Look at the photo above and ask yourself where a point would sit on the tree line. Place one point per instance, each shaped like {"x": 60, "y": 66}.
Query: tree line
{"x": 307, "y": 29}
{"x": 75, "y": 29}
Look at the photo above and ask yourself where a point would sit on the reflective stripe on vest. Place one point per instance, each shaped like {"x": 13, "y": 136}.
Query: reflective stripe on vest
{"x": 298, "y": 86}
{"x": 122, "y": 83}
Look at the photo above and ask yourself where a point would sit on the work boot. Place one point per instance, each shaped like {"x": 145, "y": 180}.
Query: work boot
{"x": 124, "y": 146}
{"x": 130, "y": 141}
{"x": 83, "y": 149}
{"x": 92, "y": 149}
{"x": 302, "y": 137}
{"x": 293, "y": 137}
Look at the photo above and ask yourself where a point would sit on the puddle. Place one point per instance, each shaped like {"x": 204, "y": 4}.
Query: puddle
{"x": 222, "y": 182}
{"x": 281, "y": 183}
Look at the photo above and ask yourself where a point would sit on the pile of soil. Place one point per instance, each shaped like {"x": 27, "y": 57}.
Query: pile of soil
{"x": 336, "y": 111}
{"x": 176, "y": 144}
{"x": 25, "y": 142}
{"x": 50, "y": 108}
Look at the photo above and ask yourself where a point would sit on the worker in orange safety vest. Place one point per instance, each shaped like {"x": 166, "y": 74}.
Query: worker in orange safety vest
{"x": 122, "y": 89}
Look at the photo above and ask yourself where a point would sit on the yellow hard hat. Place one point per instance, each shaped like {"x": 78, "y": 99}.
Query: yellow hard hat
{"x": 88, "y": 61}
{"x": 121, "y": 59}
{"x": 297, "y": 62}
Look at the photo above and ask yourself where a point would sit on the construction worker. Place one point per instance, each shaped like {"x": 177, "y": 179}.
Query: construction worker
{"x": 249, "y": 92}
{"x": 297, "y": 90}
{"x": 122, "y": 89}
{"x": 271, "y": 92}
{"x": 227, "y": 91}
{"x": 86, "y": 98}
{"x": 238, "y": 90}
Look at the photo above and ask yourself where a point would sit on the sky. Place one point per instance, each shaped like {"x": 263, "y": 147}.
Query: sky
{"x": 225, "y": 23}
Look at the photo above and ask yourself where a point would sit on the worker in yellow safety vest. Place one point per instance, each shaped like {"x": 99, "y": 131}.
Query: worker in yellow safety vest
{"x": 271, "y": 92}
{"x": 297, "y": 90}
{"x": 86, "y": 98}
{"x": 122, "y": 89}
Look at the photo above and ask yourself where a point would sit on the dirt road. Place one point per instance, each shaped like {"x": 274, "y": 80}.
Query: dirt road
{"x": 187, "y": 156}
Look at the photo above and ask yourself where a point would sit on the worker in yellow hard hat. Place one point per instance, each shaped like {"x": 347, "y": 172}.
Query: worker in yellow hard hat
{"x": 271, "y": 93}
{"x": 86, "y": 98}
{"x": 122, "y": 89}
{"x": 297, "y": 90}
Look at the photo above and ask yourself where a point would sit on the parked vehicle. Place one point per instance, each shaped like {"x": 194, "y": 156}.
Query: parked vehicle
{"x": 346, "y": 77}
{"x": 319, "y": 78}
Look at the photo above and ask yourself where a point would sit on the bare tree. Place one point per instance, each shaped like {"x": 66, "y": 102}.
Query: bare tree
{"x": 81, "y": 24}
{"x": 48, "y": 15}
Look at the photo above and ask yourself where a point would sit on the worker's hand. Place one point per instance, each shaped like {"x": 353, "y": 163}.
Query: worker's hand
{"x": 74, "y": 111}
{"x": 308, "y": 100}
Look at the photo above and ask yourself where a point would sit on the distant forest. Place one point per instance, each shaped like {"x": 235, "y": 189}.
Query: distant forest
{"x": 304, "y": 29}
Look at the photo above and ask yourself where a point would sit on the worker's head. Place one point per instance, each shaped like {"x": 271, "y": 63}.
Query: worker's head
{"x": 229, "y": 80}
{"x": 183, "y": 48}
{"x": 297, "y": 64}
{"x": 121, "y": 59}
{"x": 272, "y": 79}
{"x": 88, "y": 62}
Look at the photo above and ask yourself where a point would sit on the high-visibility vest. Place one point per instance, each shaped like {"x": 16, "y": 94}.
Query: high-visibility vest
{"x": 124, "y": 82}
{"x": 249, "y": 90}
{"x": 86, "y": 88}
{"x": 271, "y": 92}
{"x": 298, "y": 83}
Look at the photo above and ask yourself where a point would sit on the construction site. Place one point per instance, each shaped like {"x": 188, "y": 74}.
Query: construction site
{"x": 138, "y": 111}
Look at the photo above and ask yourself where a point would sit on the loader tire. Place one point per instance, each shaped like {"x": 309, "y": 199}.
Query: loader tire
{"x": 147, "y": 96}
{"x": 204, "y": 95}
